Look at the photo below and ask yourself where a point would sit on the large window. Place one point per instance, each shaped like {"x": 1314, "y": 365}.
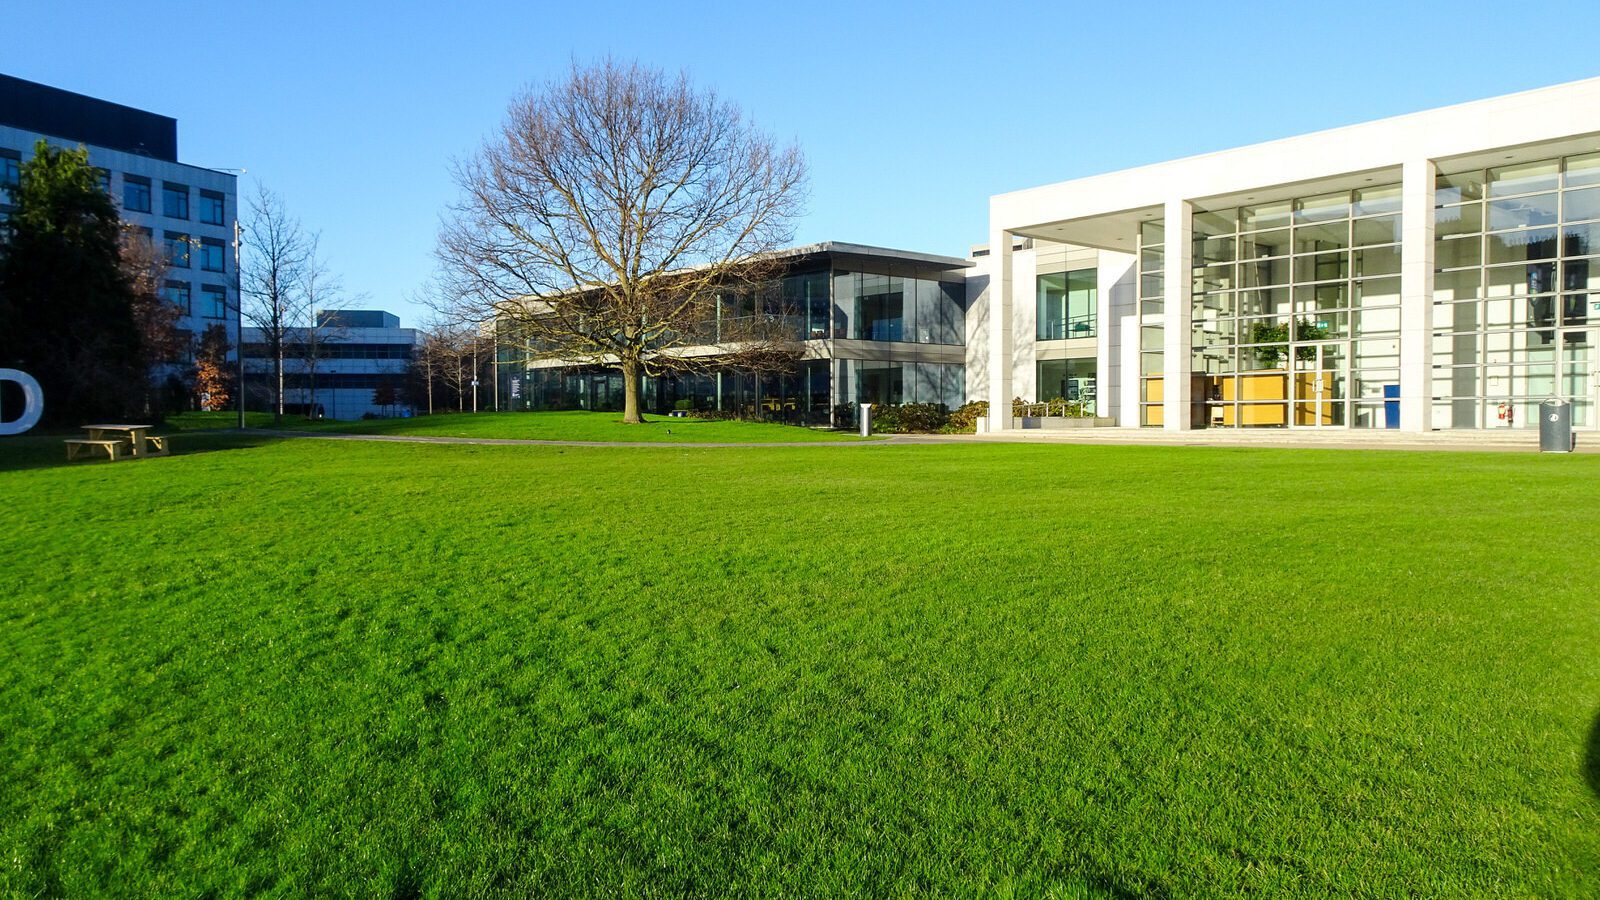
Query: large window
{"x": 805, "y": 296}
{"x": 213, "y": 207}
{"x": 1067, "y": 379}
{"x": 177, "y": 293}
{"x": 1296, "y": 311}
{"x": 215, "y": 301}
{"x": 872, "y": 381}
{"x": 213, "y": 258}
{"x": 1067, "y": 305}
{"x": 177, "y": 249}
{"x": 1516, "y": 313}
{"x": 877, "y": 307}
{"x": 135, "y": 193}
{"x": 174, "y": 200}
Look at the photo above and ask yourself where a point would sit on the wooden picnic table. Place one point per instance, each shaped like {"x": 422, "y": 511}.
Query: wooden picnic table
{"x": 140, "y": 442}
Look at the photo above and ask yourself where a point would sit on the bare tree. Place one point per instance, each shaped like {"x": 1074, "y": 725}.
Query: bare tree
{"x": 162, "y": 344}
{"x": 272, "y": 282}
{"x": 610, "y": 216}
{"x": 322, "y": 297}
{"x": 453, "y": 357}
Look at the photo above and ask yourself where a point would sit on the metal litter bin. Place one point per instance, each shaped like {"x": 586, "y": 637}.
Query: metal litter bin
{"x": 1555, "y": 427}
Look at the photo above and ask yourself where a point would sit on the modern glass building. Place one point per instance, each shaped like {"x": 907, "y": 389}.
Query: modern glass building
{"x": 1439, "y": 270}
{"x": 872, "y": 325}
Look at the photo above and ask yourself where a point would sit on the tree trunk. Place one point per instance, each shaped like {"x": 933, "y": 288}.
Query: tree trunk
{"x": 630, "y": 393}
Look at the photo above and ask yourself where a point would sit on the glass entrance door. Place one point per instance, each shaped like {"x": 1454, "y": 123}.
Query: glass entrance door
{"x": 1321, "y": 385}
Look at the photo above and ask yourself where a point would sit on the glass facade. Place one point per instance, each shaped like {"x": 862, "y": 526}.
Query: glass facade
{"x": 1516, "y": 292}
{"x": 1152, "y": 257}
{"x": 1067, "y": 305}
{"x": 1296, "y": 311}
{"x": 872, "y": 306}
{"x": 1067, "y": 379}
{"x": 873, "y": 381}
{"x": 915, "y": 311}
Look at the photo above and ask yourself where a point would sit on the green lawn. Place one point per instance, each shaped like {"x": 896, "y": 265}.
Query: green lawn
{"x": 306, "y": 667}
{"x": 581, "y": 426}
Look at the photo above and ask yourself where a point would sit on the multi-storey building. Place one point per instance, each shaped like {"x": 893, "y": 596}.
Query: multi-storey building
{"x": 188, "y": 210}
{"x": 339, "y": 369}
{"x": 1439, "y": 270}
{"x": 871, "y": 325}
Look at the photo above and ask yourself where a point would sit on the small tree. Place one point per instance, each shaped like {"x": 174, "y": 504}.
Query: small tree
{"x": 610, "y": 215}
{"x": 213, "y": 377}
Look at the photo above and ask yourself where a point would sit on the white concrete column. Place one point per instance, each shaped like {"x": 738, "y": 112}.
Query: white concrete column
{"x": 1177, "y": 313}
{"x": 1001, "y": 344}
{"x": 1416, "y": 294}
{"x": 1113, "y": 288}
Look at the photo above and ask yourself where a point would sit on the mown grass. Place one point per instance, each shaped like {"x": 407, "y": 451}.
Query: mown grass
{"x": 600, "y": 427}
{"x": 306, "y": 667}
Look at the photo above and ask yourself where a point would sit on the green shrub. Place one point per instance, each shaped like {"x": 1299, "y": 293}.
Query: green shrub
{"x": 685, "y": 404}
{"x": 909, "y": 418}
{"x": 964, "y": 418}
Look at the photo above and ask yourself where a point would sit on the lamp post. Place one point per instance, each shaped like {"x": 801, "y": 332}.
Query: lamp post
{"x": 238, "y": 313}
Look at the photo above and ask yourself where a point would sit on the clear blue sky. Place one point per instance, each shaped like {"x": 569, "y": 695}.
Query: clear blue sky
{"x": 911, "y": 114}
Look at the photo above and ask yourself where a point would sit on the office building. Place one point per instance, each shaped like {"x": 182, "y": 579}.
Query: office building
{"x": 189, "y": 211}
{"x": 343, "y": 367}
{"x": 1430, "y": 271}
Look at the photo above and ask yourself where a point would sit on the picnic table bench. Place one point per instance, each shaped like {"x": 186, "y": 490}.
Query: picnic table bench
{"x": 117, "y": 442}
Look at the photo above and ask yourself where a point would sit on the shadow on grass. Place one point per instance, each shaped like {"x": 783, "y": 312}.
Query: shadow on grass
{"x": 1591, "y": 757}
{"x": 47, "y": 451}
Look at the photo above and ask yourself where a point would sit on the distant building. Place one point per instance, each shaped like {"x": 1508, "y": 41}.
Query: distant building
{"x": 188, "y": 209}
{"x": 340, "y": 366}
{"x": 871, "y": 324}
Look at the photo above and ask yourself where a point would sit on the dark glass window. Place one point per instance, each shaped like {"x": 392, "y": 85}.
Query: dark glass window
{"x": 1067, "y": 305}
{"x": 135, "y": 193}
{"x": 177, "y": 293}
{"x": 177, "y": 247}
{"x": 881, "y": 308}
{"x": 105, "y": 179}
{"x": 213, "y": 207}
{"x": 215, "y": 305}
{"x": 10, "y": 175}
{"x": 174, "y": 200}
{"x": 212, "y": 258}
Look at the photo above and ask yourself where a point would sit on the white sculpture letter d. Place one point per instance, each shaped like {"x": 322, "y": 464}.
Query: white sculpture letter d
{"x": 32, "y": 402}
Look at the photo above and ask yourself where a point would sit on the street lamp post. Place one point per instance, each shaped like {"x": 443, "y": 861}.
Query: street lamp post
{"x": 238, "y": 312}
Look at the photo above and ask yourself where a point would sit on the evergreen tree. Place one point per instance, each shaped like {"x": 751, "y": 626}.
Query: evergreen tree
{"x": 66, "y": 304}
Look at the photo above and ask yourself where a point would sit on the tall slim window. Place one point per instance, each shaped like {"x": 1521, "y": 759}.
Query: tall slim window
{"x": 1067, "y": 305}
{"x": 10, "y": 174}
{"x": 212, "y": 256}
{"x": 213, "y": 207}
{"x": 177, "y": 247}
{"x": 103, "y": 176}
{"x": 177, "y": 293}
{"x": 135, "y": 193}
